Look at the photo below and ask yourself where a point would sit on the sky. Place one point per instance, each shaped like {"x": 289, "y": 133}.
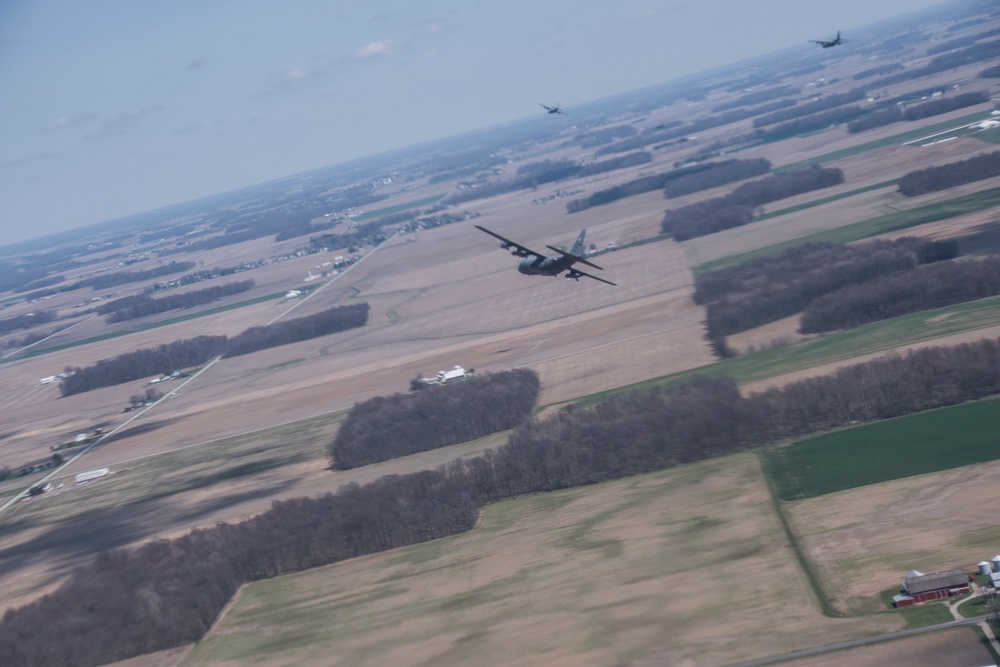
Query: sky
{"x": 114, "y": 107}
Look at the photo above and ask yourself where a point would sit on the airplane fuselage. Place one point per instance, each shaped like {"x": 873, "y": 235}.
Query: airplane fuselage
{"x": 548, "y": 266}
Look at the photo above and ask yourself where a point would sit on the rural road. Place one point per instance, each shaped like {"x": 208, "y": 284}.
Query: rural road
{"x": 805, "y": 653}
{"x": 56, "y": 471}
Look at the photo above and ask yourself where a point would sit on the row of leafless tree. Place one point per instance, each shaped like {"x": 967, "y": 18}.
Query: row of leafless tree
{"x": 26, "y": 320}
{"x": 141, "y": 305}
{"x": 822, "y": 104}
{"x": 329, "y": 321}
{"x": 952, "y": 44}
{"x": 168, "y": 592}
{"x": 932, "y": 179}
{"x": 106, "y": 280}
{"x": 604, "y": 135}
{"x": 741, "y": 297}
{"x": 943, "y": 104}
{"x": 971, "y": 54}
{"x": 875, "y": 119}
{"x": 676, "y": 182}
{"x": 673, "y": 133}
{"x": 922, "y": 288}
{"x": 880, "y": 70}
{"x": 756, "y": 97}
{"x": 387, "y": 427}
{"x": 811, "y": 123}
{"x": 196, "y": 351}
{"x": 142, "y": 363}
{"x": 717, "y": 173}
{"x": 737, "y": 208}
{"x": 545, "y": 171}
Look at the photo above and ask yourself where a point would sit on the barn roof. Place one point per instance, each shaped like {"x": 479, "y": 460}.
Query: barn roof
{"x": 915, "y": 585}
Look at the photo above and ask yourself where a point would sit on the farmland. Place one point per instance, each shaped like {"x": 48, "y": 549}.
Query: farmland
{"x": 639, "y": 571}
{"x": 656, "y": 549}
{"x": 914, "y": 445}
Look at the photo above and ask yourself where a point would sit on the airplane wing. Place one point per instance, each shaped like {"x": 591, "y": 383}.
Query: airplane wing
{"x": 576, "y": 274}
{"x": 578, "y": 259}
{"x": 518, "y": 249}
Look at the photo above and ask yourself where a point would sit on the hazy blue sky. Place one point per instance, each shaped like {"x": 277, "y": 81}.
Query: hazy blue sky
{"x": 114, "y": 107}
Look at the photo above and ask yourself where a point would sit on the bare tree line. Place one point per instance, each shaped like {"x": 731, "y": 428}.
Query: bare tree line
{"x": 757, "y": 97}
{"x": 167, "y": 593}
{"x": 106, "y": 280}
{"x": 971, "y": 54}
{"x": 932, "y": 179}
{"x": 141, "y": 305}
{"x": 741, "y": 297}
{"x": 673, "y": 133}
{"x": 196, "y": 351}
{"x": 676, "y": 182}
{"x": 143, "y": 363}
{"x": 893, "y": 114}
{"x": 822, "y": 104}
{"x": 922, "y": 288}
{"x": 737, "y": 208}
{"x": 387, "y": 427}
{"x": 330, "y": 321}
{"x": 544, "y": 171}
{"x": 26, "y": 321}
{"x": 945, "y": 104}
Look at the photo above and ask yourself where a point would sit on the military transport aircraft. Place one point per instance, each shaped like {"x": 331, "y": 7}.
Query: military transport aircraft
{"x": 537, "y": 264}
{"x": 554, "y": 109}
{"x": 828, "y": 43}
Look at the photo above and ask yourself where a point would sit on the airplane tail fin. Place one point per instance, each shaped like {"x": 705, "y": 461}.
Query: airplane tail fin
{"x": 577, "y": 252}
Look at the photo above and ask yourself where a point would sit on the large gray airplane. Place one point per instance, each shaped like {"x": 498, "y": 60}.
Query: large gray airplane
{"x": 537, "y": 264}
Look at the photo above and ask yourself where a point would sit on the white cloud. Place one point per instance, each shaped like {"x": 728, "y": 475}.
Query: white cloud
{"x": 376, "y": 49}
{"x": 68, "y": 121}
{"x": 290, "y": 80}
{"x": 436, "y": 27}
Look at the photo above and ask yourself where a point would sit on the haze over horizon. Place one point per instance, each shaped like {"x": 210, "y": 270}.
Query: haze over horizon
{"x": 115, "y": 108}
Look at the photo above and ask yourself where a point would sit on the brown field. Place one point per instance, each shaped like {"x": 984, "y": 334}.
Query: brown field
{"x": 864, "y": 541}
{"x": 665, "y": 556}
{"x": 576, "y": 586}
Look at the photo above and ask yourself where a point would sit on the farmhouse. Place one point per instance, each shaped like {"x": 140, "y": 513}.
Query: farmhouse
{"x": 919, "y": 587}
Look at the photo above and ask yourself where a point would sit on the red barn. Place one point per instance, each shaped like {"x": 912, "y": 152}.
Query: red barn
{"x": 918, "y": 587}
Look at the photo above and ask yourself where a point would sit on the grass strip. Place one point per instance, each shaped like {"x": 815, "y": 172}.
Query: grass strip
{"x": 831, "y": 348}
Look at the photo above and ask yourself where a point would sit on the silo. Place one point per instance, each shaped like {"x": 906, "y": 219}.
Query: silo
{"x": 996, "y": 563}
{"x": 984, "y": 567}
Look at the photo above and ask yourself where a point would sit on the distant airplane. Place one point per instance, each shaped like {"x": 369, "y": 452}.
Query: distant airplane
{"x": 827, "y": 44}
{"x": 537, "y": 264}
{"x": 554, "y": 109}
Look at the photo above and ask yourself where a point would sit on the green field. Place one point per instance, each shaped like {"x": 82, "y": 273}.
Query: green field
{"x": 913, "y": 445}
{"x": 941, "y": 210}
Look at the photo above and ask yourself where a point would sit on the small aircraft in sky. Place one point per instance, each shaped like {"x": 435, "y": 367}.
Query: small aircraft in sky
{"x": 828, "y": 43}
{"x": 554, "y": 109}
{"x": 537, "y": 264}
